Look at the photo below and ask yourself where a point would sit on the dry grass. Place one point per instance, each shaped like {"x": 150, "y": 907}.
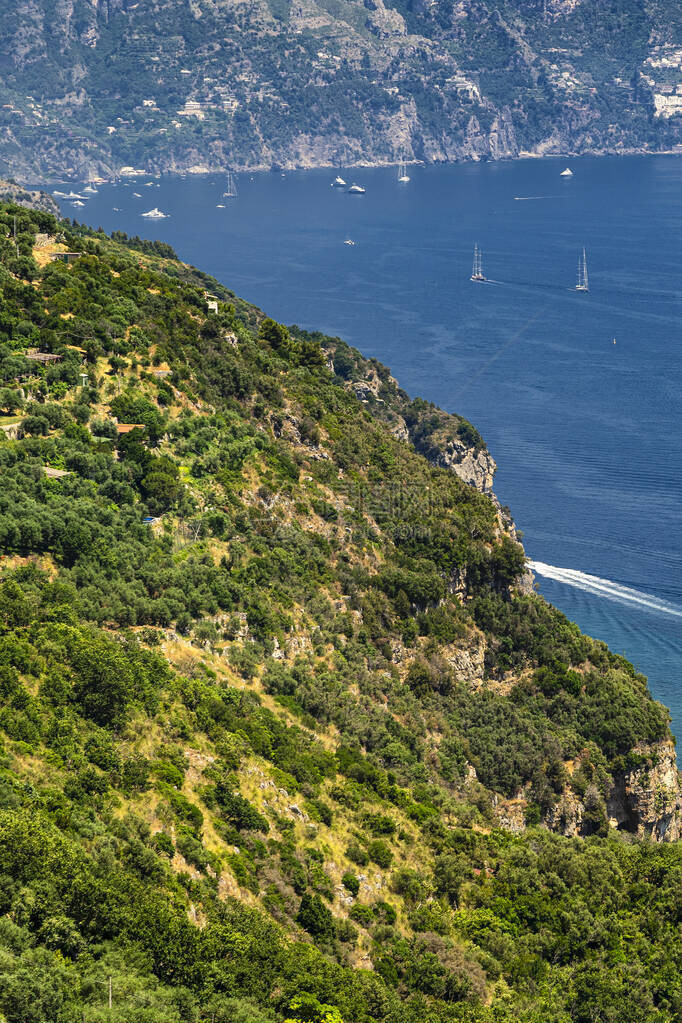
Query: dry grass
{"x": 43, "y": 254}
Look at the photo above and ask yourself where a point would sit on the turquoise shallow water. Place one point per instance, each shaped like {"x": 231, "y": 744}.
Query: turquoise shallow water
{"x": 586, "y": 433}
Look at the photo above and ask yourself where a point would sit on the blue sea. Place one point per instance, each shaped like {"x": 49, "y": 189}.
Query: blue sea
{"x": 577, "y": 394}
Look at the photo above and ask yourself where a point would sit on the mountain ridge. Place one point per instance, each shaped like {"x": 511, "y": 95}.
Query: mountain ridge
{"x": 97, "y": 90}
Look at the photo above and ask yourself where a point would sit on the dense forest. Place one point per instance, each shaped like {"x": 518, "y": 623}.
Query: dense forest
{"x": 285, "y": 733}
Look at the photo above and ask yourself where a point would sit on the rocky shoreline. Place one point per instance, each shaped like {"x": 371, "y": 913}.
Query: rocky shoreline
{"x": 97, "y": 175}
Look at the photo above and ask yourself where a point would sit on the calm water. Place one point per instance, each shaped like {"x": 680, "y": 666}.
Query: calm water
{"x": 586, "y": 432}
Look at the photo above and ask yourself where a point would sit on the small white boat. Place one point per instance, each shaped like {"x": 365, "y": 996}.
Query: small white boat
{"x": 566, "y": 173}
{"x": 349, "y": 241}
{"x": 78, "y": 203}
{"x": 90, "y": 189}
{"x": 155, "y": 214}
{"x": 116, "y": 209}
{"x": 220, "y": 206}
{"x": 136, "y": 195}
{"x": 356, "y": 190}
{"x": 338, "y": 182}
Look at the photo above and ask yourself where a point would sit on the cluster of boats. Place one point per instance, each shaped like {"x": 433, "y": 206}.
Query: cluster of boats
{"x": 353, "y": 189}
{"x": 79, "y": 200}
{"x": 477, "y": 275}
{"x": 338, "y": 182}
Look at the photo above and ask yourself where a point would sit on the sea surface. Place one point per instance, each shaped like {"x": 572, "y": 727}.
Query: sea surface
{"x": 577, "y": 394}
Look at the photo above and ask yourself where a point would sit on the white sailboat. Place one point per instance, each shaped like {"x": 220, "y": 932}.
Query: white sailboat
{"x": 566, "y": 173}
{"x": 338, "y": 182}
{"x": 477, "y": 269}
{"x": 231, "y": 191}
{"x": 155, "y": 214}
{"x": 583, "y": 282}
{"x": 403, "y": 176}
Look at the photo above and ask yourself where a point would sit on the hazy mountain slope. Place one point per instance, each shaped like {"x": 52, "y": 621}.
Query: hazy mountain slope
{"x": 88, "y": 88}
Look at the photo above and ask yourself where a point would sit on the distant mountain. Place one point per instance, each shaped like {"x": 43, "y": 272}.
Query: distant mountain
{"x": 91, "y": 88}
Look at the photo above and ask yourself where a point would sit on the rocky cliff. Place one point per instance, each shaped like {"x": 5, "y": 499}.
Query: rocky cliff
{"x": 643, "y": 798}
{"x": 11, "y": 192}
{"x": 102, "y": 88}
{"x": 448, "y": 441}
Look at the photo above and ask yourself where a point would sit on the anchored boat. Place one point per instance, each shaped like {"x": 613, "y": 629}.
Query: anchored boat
{"x": 477, "y": 269}
{"x": 403, "y": 176}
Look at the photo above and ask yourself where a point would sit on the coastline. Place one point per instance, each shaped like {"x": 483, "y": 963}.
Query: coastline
{"x": 200, "y": 170}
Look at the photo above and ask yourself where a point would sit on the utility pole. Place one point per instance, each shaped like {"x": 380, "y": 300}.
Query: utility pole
{"x": 110, "y": 994}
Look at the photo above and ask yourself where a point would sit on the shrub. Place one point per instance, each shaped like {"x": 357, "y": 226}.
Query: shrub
{"x": 380, "y": 853}
{"x": 351, "y": 883}
{"x": 356, "y": 854}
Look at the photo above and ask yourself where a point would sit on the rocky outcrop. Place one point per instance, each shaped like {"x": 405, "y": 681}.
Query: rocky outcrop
{"x": 446, "y": 440}
{"x": 647, "y": 800}
{"x": 10, "y": 191}
{"x": 473, "y": 465}
{"x": 467, "y": 661}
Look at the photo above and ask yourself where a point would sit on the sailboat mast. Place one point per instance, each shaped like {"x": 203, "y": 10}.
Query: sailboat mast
{"x": 477, "y": 268}
{"x": 582, "y": 284}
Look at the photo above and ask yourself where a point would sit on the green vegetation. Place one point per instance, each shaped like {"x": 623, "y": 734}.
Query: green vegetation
{"x": 270, "y": 689}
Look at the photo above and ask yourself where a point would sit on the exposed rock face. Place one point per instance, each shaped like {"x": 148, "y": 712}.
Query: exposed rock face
{"x": 567, "y": 816}
{"x": 647, "y": 800}
{"x": 475, "y": 467}
{"x": 468, "y": 661}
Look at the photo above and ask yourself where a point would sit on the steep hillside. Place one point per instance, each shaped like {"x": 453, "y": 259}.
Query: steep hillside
{"x": 12, "y": 192}
{"x": 90, "y": 88}
{"x": 285, "y": 733}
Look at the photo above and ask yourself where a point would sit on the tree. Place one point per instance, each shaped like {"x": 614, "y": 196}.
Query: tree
{"x": 315, "y": 917}
{"x": 276, "y": 335}
{"x": 10, "y": 400}
{"x": 305, "y": 1008}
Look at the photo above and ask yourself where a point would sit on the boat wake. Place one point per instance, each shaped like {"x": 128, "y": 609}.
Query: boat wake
{"x": 606, "y": 588}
